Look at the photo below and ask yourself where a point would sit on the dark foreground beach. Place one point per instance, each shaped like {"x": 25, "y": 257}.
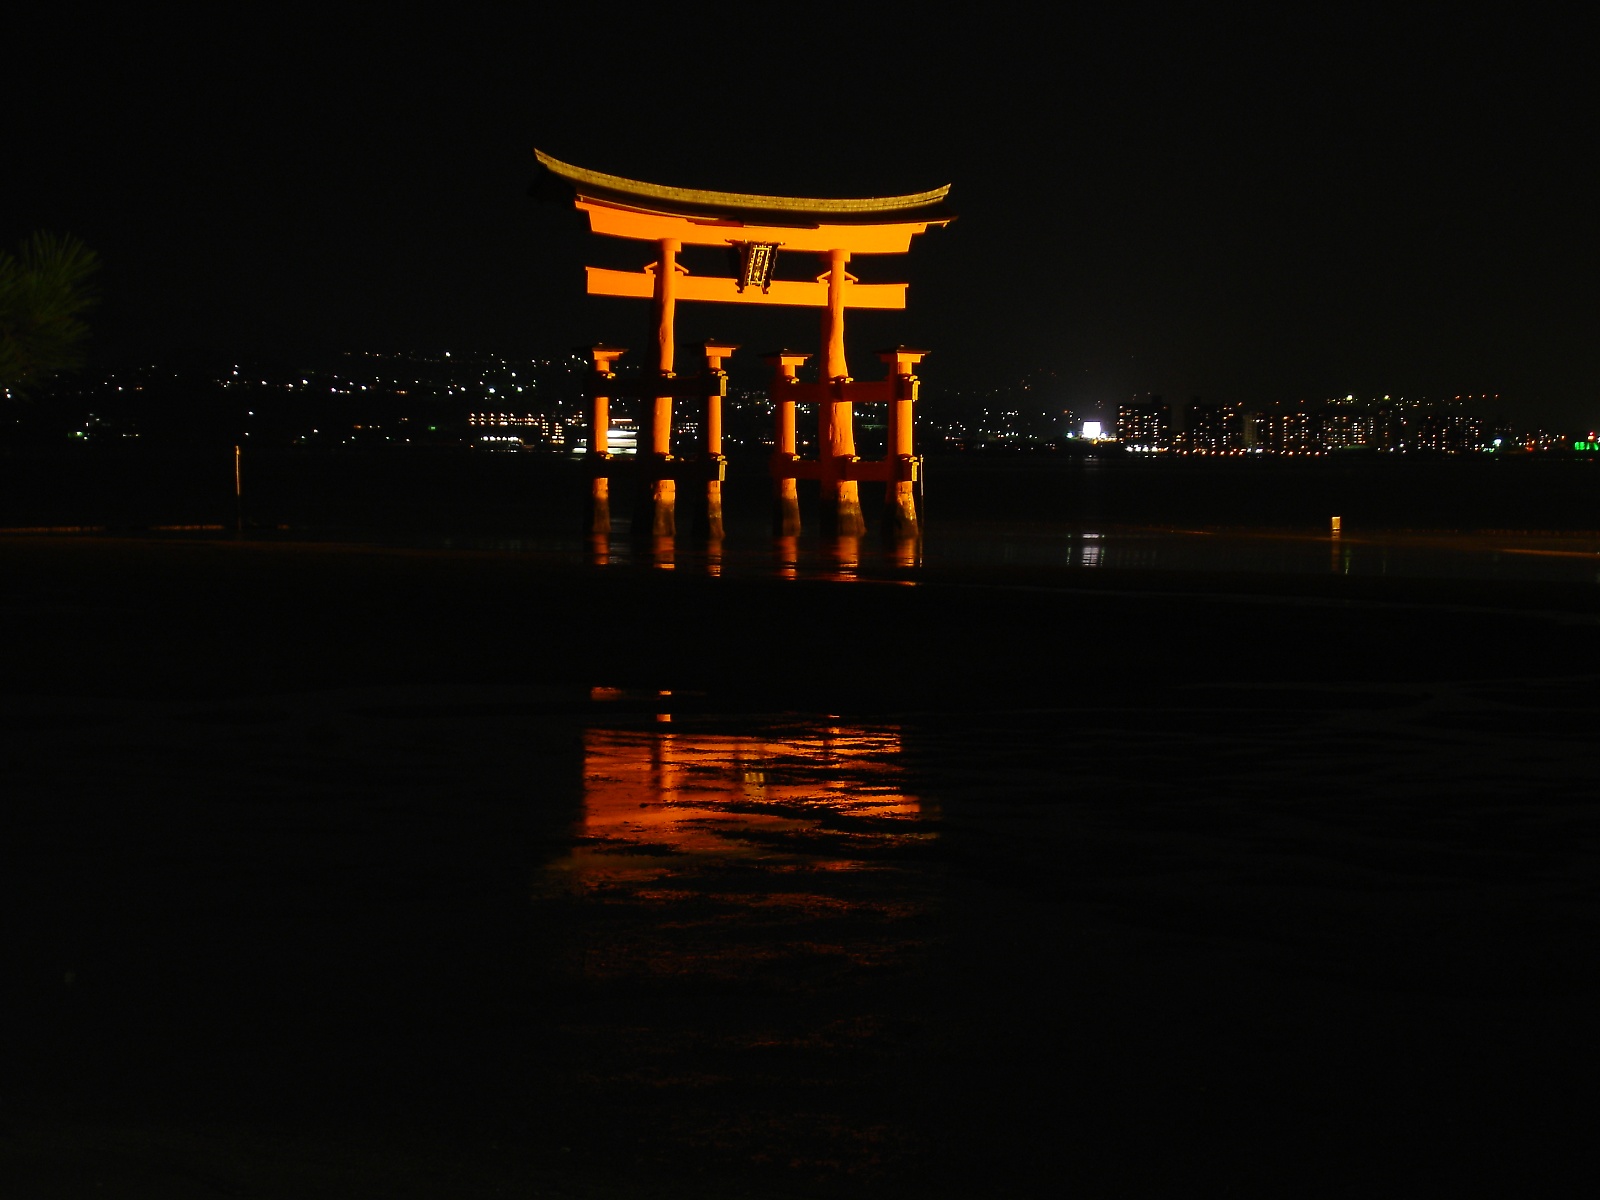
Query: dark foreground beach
{"x": 338, "y": 871}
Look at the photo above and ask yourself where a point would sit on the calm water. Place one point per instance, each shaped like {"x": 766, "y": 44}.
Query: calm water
{"x": 1534, "y": 518}
{"x": 1417, "y": 556}
{"x": 1439, "y": 519}
{"x": 974, "y": 547}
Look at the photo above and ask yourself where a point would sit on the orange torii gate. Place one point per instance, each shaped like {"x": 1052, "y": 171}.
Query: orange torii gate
{"x": 758, "y": 227}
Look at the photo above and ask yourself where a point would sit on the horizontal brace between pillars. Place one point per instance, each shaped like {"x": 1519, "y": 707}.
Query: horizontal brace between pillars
{"x": 686, "y": 470}
{"x": 877, "y": 391}
{"x": 898, "y": 470}
{"x": 798, "y": 468}
{"x": 695, "y": 388}
{"x": 636, "y": 285}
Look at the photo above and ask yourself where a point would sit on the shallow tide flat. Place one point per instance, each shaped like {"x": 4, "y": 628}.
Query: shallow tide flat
{"x": 349, "y": 871}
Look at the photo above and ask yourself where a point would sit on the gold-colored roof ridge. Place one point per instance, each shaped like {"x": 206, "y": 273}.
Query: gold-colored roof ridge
{"x": 700, "y": 198}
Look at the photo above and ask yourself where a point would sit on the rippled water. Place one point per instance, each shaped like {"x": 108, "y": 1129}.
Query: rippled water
{"x": 657, "y": 801}
{"x": 747, "y": 899}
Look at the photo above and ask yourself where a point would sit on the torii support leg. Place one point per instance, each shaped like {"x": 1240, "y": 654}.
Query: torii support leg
{"x": 599, "y": 522}
{"x": 600, "y": 486}
{"x": 786, "y": 365}
{"x": 900, "y": 518}
{"x": 663, "y": 508}
{"x": 597, "y": 518}
{"x": 841, "y": 499}
{"x": 786, "y": 520}
{"x": 713, "y": 517}
{"x": 786, "y": 500}
{"x": 708, "y": 518}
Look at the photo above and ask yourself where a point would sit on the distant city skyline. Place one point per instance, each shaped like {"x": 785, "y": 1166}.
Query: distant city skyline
{"x": 502, "y": 401}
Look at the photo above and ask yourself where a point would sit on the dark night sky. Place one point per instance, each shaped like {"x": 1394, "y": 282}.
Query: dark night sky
{"x": 1176, "y": 200}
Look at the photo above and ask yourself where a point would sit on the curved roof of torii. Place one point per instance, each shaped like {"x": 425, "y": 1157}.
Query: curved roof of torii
{"x": 770, "y": 210}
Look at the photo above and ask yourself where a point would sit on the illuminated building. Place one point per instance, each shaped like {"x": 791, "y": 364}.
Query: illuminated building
{"x": 1252, "y": 431}
{"x": 1348, "y": 424}
{"x": 538, "y": 429}
{"x": 622, "y": 438}
{"x": 1297, "y": 431}
{"x": 1346, "y": 431}
{"x": 1144, "y": 424}
{"x": 1215, "y": 428}
{"x": 1446, "y": 428}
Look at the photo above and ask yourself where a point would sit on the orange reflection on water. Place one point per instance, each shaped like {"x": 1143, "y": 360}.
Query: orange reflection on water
{"x": 903, "y": 552}
{"x": 846, "y": 554}
{"x": 657, "y": 801}
{"x": 787, "y": 551}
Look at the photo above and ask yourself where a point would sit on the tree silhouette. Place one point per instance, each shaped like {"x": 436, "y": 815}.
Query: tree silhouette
{"x": 44, "y": 292}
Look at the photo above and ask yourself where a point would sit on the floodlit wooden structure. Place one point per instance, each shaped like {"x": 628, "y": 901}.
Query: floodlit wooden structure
{"x": 759, "y": 228}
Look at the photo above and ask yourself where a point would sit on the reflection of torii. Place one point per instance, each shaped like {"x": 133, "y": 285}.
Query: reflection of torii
{"x": 758, "y": 226}
{"x": 705, "y": 793}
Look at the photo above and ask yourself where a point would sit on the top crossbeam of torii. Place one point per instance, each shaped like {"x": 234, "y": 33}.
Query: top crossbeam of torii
{"x": 758, "y": 227}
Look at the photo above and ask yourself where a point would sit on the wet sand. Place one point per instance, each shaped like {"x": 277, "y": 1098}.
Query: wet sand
{"x": 326, "y": 875}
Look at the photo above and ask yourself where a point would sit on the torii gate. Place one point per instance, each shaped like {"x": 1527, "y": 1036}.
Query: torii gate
{"x": 758, "y": 227}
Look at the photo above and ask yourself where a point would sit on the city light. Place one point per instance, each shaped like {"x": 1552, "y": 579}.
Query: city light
{"x": 438, "y": 398}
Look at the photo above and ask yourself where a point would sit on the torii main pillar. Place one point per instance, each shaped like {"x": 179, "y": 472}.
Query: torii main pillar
{"x": 662, "y": 514}
{"x": 836, "y": 437}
